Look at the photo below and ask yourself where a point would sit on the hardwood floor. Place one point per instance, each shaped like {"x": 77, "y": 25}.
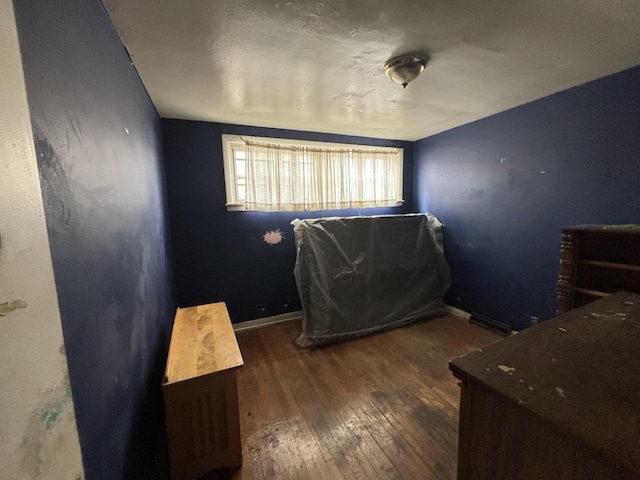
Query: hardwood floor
{"x": 379, "y": 407}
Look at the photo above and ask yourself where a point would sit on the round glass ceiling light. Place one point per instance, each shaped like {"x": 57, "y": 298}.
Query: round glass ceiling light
{"x": 405, "y": 68}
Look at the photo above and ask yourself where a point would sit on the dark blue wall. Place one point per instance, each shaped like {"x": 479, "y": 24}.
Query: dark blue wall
{"x": 97, "y": 139}
{"x": 503, "y": 187}
{"x": 220, "y": 255}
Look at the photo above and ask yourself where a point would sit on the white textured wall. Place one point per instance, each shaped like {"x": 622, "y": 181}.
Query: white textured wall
{"x": 38, "y": 436}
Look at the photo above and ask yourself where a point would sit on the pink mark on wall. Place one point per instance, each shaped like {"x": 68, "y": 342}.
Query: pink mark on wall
{"x": 273, "y": 237}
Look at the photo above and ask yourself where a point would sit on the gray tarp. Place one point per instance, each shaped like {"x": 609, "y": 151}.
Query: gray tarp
{"x": 358, "y": 275}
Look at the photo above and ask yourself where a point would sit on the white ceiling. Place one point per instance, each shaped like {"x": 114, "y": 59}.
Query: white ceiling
{"x": 317, "y": 65}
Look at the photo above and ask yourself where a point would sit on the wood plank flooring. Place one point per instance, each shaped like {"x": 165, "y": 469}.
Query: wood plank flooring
{"x": 379, "y": 407}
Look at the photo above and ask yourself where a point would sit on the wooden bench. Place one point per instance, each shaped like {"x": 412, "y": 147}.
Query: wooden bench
{"x": 200, "y": 392}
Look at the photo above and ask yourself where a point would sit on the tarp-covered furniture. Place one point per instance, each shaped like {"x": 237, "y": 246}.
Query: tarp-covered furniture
{"x": 358, "y": 275}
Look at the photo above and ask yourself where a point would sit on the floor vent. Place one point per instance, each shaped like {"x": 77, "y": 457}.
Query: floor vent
{"x": 490, "y": 324}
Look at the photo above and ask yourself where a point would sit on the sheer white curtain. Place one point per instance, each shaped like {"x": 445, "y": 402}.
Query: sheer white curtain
{"x": 283, "y": 177}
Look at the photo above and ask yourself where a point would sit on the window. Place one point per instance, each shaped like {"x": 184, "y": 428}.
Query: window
{"x": 267, "y": 174}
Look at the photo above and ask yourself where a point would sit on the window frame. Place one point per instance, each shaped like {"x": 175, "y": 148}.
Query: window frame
{"x": 230, "y": 143}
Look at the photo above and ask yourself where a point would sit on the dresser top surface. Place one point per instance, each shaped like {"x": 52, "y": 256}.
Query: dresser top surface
{"x": 579, "y": 371}
{"x": 612, "y": 229}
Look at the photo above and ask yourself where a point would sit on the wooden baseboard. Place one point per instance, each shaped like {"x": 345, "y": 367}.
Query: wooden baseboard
{"x": 264, "y": 322}
{"x": 297, "y": 315}
{"x": 457, "y": 312}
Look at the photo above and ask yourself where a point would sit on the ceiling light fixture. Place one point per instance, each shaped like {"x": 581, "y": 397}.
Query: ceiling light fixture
{"x": 405, "y": 68}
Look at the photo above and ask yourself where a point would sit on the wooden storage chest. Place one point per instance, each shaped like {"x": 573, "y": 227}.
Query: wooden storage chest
{"x": 200, "y": 392}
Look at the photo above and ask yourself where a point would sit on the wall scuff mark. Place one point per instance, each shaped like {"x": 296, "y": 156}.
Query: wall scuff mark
{"x": 51, "y": 426}
{"x": 8, "y": 307}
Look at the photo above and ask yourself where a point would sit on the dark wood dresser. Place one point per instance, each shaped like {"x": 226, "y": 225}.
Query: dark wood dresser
{"x": 596, "y": 261}
{"x": 557, "y": 401}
